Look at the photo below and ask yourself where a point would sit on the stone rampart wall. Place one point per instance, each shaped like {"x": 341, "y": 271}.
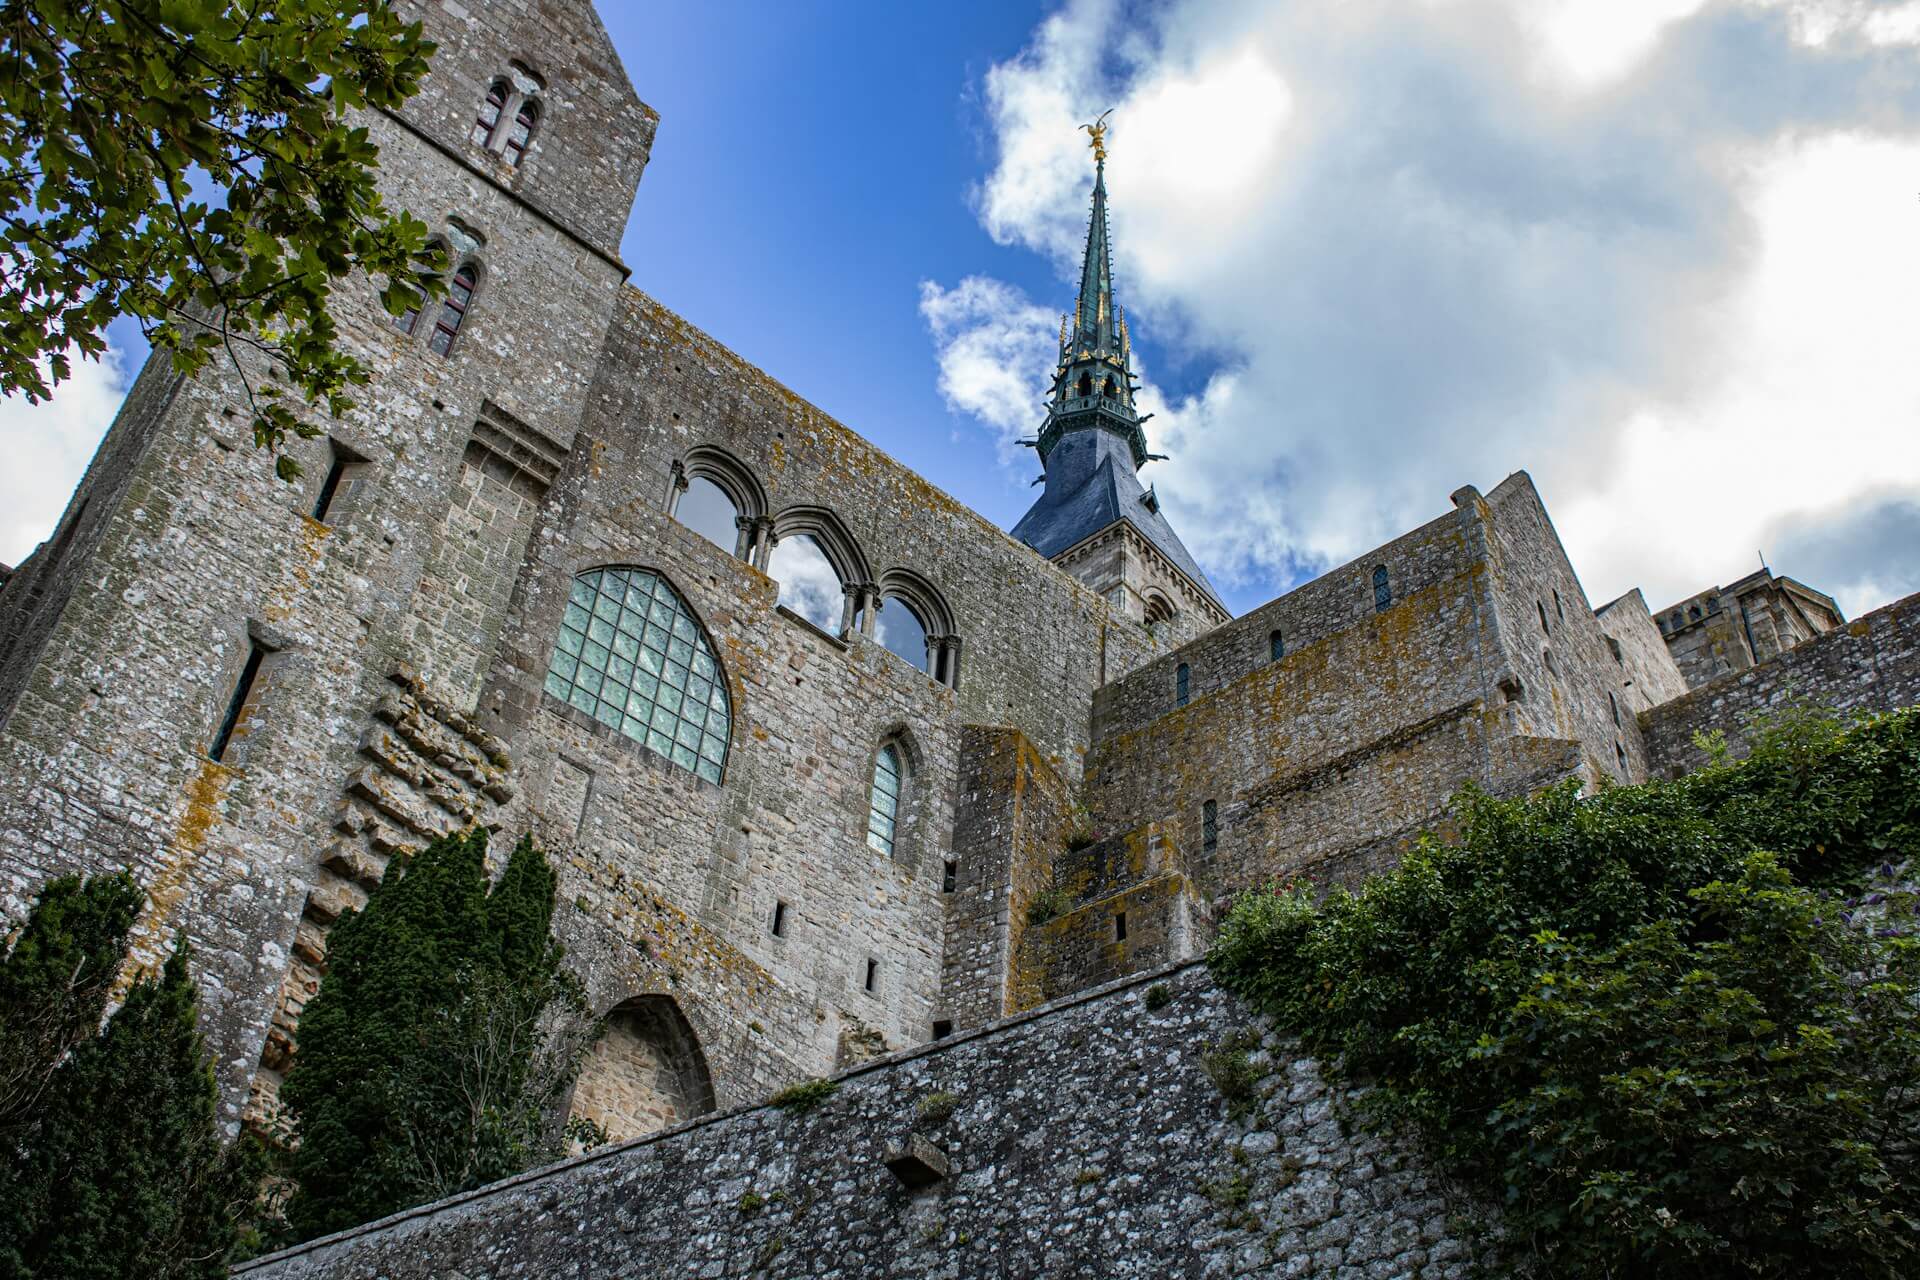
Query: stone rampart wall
{"x": 1087, "y": 1140}
{"x": 1869, "y": 664}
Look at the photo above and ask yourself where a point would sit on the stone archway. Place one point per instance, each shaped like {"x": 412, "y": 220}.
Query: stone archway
{"x": 645, "y": 1073}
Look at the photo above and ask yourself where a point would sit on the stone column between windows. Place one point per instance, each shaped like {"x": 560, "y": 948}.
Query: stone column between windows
{"x": 676, "y": 488}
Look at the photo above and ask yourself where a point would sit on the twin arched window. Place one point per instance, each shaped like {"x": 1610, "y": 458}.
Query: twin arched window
{"x": 631, "y": 655}
{"x": 883, "y": 805}
{"x": 520, "y": 93}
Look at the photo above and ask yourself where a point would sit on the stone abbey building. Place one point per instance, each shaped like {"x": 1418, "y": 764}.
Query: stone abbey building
{"x": 547, "y": 576}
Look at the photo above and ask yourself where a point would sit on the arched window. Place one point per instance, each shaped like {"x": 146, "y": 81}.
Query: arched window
{"x": 705, "y": 508}
{"x": 809, "y": 584}
{"x": 1677, "y": 620}
{"x": 631, "y": 655}
{"x": 490, "y": 108}
{"x": 883, "y": 803}
{"x": 1182, "y": 684}
{"x": 453, "y": 308}
{"x": 1109, "y": 388}
{"x": 520, "y": 136}
{"x": 1382, "y": 589}
{"x": 900, "y": 631}
{"x": 1693, "y": 613}
{"x": 1158, "y": 609}
{"x": 1085, "y": 385}
{"x": 1544, "y": 628}
{"x": 1276, "y": 646}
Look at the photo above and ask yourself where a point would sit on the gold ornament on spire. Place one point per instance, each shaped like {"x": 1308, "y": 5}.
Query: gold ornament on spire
{"x": 1097, "y": 130}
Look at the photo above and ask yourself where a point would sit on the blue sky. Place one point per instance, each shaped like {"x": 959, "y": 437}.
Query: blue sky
{"x": 1659, "y": 253}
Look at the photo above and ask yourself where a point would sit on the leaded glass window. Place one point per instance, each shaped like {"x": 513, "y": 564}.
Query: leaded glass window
{"x": 1382, "y": 589}
{"x": 631, "y": 656}
{"x": 883, "y": 812}
{"x": 1182, "y": 684}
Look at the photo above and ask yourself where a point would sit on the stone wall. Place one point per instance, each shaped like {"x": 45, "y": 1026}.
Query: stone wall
{"x": 1869, "y": 664}
{"x": 1648, "y": 676}
{"x": 1087, "y": 1140}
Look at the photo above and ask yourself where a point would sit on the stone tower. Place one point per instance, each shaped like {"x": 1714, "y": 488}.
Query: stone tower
{"x": 1094, "y": 518}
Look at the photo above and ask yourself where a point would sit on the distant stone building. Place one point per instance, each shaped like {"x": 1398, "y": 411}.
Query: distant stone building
{"x": 1726, "y": 629}
{"x": 542, "y": 578}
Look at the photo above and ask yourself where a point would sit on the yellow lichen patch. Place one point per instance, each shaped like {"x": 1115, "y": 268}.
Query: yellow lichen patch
{"x": 204, "y": 792}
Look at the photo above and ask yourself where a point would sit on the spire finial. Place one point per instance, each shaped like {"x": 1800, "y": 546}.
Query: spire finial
{"x": 1097, "y": 130}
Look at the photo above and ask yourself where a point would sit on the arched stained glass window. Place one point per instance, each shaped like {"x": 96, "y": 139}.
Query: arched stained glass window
{"x": 631, "y": 656}
{"x": 883, "y": 810}
{"x": 1382, "y": 589}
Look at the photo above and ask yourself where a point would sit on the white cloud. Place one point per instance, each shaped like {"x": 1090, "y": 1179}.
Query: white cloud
{"x": 808, "y": 584}
{"x": 1672, "y": 279}
{"x": 47, "y": 447}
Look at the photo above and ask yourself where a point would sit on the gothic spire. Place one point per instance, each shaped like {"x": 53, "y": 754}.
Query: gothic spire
{"x": 1093, "y": 381}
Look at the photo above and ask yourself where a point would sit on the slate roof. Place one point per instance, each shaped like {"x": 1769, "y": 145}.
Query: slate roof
{"x": 1091, "y": 484}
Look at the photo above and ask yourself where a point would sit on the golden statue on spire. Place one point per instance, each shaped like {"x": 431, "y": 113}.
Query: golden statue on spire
{"x": 1098, "y": 132}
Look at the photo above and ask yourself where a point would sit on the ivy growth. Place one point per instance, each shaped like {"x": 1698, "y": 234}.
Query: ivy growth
{"x": 1669, "y": 1026}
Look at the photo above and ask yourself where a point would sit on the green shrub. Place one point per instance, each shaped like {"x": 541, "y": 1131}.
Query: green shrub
{"x": 1047, "y": 905}
{"x": 797, "y": 1099}
{"x": 440, "y": 1043}
{"x": 1669, "y": 1027}
{"x": 1159, "y": 996}
{"x": 112, "y": 1163}
{"x": 1229, "y": 1065}
{"x": 938, "y": 1107}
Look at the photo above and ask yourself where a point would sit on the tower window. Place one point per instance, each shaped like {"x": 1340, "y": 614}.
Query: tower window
{"x": 883, "y": 808}
{"x": 1613, "y": 705}
{"x": 942, "y": 1028}
{"x": 778, "y": 925}
{"x": 1544, "y": 628}
{"x": 1382, "y": 589}
{"x": 1209, "y": 827}
{"x": 950, "y": 877}
{"x": 453, "y": 308}
{"x": 873, "y": 974}
{"x": 520, "y": 137}
{"x": 240, "y": 707}
{"x": 631, "y": 655}
{"x": 1119, "y": 926}
{"x": 1276, "y": 646}
{"x": 1085, "y": 385}
{"x": 343, "y": 469}
{"x": 489, "y": 117}
{"x": 1182, "y": 684}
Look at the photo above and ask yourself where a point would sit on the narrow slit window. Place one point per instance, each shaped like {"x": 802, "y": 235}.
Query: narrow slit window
{"x": 883, "y": 808}
{"x": 453, "y": 309}
{"x": 1559, "y": 610}
{"x": 1209, "y": 827}
{"x": 1613, "y": 705}
{"x": 329, "y": 486}
{"x": 1119, "y": 926}
{"x": 520, "y": 137}
{"x": 1382, "y": 589}
{"x": 1276, "y": 646}
{"x": 779, "y": 922}
{"x": 950, "y": 878}
{"x": 873, "y": 974}
{"x": 1544, "y": 628}
{"x": 1182, "y": 684}
{"x": 239, "y": 716}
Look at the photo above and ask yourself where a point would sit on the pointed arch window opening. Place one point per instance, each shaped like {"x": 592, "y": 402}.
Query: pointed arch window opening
{"x": 491, "y": 109}
{"x": 520, "y": 136}
{"x": 632, "y": 656}
{"x": 453, "y": 309}
{"x": 883, "y": 805}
